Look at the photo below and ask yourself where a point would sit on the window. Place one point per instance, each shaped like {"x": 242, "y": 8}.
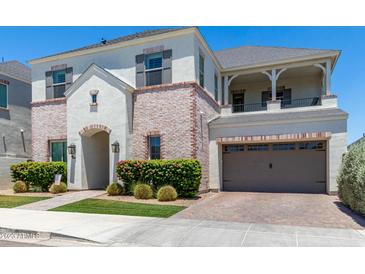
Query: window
{"x": 201, "y": 70}
{"x": 276, "y": 147}
{"x": 154, "y": 143}
{"x": 234, "y": 148}
{"x": 3, "y": 96}
{"x": 58, "y": 151}
{"x": 153, "y": 69}
{"x": 59, "y": 83}
{"x": 258, "y": 147}
{"x": 216, "y": 87}
{"x": 94, "y": 98}
{"x": 311, "y": 146}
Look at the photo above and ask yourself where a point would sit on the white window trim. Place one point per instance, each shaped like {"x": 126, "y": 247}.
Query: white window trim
{"x": 7, "y": 96}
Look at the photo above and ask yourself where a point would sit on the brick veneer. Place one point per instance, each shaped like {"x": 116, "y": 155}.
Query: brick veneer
{"x": 174, "y": 112}
{"x": 179, "y": 113}
{"x": 48, "y": 123}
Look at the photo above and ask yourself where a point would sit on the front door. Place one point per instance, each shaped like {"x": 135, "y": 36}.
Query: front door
{"x": 238, "y": 101}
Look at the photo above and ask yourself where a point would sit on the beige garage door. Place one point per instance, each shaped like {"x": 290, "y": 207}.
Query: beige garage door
{"x": 289, "y": 167}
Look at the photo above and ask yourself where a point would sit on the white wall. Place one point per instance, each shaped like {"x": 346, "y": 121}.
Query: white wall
{"x": 337, "y": 143}
{"x": 121, "y": 63}
{"x": 114, "y": 111}
{"x": 209, "y": 69}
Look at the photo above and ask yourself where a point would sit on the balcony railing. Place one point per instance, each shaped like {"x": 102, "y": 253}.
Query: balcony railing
{"x": 294, "y": 103}
{"x": 303, "y": 102}
{"x": 249, "y": 107}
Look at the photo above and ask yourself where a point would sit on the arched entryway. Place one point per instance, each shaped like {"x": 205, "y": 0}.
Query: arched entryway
{"x": 95, "y": 157}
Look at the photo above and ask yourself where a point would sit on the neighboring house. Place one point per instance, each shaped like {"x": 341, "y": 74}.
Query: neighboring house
{"x": 257, "y": 118}
{"x": 15, "y": 117}
{"x": 357, "y": 141}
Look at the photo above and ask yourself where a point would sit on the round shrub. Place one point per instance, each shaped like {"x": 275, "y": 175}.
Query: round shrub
{"x": 61, "y": 188}
{"x": 351, "y": 179}
{"x": 20, "y": 187}
{"x": 143, "y": 191}
{"x": 166, "y": 193}
{"x": 114, "y": 189}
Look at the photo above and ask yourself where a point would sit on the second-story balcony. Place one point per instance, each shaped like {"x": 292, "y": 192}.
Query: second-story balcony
{"x": 296, "y": 88}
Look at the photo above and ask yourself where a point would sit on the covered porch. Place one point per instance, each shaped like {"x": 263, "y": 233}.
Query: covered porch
{"x": 278, "y": 88}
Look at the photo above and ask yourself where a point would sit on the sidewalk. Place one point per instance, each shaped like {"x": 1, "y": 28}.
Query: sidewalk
{"x": 70, "y": 197}
{"x": 115, "y": 230}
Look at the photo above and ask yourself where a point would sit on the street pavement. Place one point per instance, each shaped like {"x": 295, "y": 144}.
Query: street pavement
{"x": 80, "y": 229}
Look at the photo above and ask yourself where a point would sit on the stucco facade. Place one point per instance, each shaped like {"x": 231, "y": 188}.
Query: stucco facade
{"x": 189, "y": 119}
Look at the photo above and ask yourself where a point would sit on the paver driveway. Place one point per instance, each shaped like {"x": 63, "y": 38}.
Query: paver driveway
{"x": 314, "y": 210}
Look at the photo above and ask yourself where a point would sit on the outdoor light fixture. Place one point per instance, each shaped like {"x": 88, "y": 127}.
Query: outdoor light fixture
{"x": 72, "y": 150}
{"x": 115, "y": 147}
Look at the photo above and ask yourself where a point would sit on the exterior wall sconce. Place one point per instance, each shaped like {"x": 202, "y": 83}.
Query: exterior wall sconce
{"x": 115, "y": 147}
{"x": 72, "y": 151}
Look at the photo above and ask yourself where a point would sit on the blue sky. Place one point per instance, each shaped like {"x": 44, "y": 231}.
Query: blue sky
{"x": 25, "y": 43}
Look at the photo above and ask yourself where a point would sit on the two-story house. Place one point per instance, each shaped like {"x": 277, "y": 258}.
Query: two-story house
{"x": 15, "y": 128}
{"x": 257, "y": 118}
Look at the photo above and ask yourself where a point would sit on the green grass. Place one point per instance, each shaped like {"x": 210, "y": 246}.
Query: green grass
{"x": 9, "y": 201}
{"x": 120, "y": 208}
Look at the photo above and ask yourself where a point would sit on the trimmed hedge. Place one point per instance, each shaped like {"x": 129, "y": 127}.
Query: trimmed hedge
{"x": 183, "y": 174}
{"x": 351, "y": 179}
{"x": 38, "y": 175}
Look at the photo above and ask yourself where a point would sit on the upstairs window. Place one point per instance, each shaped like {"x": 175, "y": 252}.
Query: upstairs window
{"x": 154, "y": 144}
{"x": 153, "y": 69}
{"x": 216, "y": 87}
{"x": 201, "y": 70}
{"x": 3, "y": 96}
{"x": 59, "y": 83}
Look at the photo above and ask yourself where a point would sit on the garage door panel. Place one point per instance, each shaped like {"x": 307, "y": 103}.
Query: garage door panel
{"x": 275, "y": 171}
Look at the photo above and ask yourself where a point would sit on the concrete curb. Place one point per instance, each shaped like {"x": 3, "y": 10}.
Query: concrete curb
{"x": 46, "y": 235}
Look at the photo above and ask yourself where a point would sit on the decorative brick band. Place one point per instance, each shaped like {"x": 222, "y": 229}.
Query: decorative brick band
{"x": 274, "y": 138}
{"x": 95, "y": 126}
{"x": 194, "y": 124}
{"x": 54, "y": 101}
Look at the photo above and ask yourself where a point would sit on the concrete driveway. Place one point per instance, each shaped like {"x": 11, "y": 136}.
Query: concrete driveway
{"x": 314, "y": 210}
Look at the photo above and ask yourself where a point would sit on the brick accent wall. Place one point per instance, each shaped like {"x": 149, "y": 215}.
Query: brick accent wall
{"x": 174, "y": 112}
{"x": 48, "y": 123}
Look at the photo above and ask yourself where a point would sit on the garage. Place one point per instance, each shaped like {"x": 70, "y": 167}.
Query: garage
{"x": 298, "y": 167}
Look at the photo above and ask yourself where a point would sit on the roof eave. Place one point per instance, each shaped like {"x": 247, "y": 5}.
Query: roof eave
{"x": 121, "y": 44}
{"x": 333, "y": 54}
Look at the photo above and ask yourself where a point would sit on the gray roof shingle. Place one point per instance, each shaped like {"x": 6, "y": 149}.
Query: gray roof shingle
{"x": 251, "y": 55}
{"x": 17, "y": 70}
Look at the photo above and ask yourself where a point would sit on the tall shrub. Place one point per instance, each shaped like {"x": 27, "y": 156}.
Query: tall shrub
{"x": 183, "y": 174}
{"x": 38, "y": 174}
{"x": 351, "y": 179}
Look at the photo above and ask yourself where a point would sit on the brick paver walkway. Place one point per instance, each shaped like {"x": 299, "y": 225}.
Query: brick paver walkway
{"x": 68, "y": 198}
{"x": 315, "y": 210}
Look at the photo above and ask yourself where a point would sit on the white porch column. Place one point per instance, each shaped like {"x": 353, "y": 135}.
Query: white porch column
{"x": 328, "y": 77}
{"x": 273, "y": 85}
{"x": 226, "y": 92}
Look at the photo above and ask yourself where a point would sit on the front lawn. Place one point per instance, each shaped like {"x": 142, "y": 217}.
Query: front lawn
{"x": 120, "y": 208}
{"x": 9, "y": 201}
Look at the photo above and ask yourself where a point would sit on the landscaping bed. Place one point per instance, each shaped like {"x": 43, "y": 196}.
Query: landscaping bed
{"x": 100, "y": 206}
{"x": 10, "y": 201}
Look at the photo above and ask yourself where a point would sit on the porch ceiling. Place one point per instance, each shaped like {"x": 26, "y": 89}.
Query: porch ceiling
{"x": 289, "y": 73}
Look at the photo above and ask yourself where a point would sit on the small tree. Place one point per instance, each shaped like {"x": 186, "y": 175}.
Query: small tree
{"x": 351, "y": 180}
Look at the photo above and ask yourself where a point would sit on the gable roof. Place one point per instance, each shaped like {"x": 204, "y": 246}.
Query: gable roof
{"x": 16, "y": 70}
{"x": 105, "y": 43}
{"x": 94, "y": 69}
{"x": 253, "y": 55}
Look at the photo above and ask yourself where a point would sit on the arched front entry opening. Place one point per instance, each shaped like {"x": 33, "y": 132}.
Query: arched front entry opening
{"x": 95, "y": 158}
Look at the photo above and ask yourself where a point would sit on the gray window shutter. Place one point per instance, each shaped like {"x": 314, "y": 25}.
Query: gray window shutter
{"x": 167, "y": 66}
{"x": 265, "y": 96}
{"x": 49, "y": 85}
{"x": 69, "y": 76}
{"x": 140, "y": 82}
